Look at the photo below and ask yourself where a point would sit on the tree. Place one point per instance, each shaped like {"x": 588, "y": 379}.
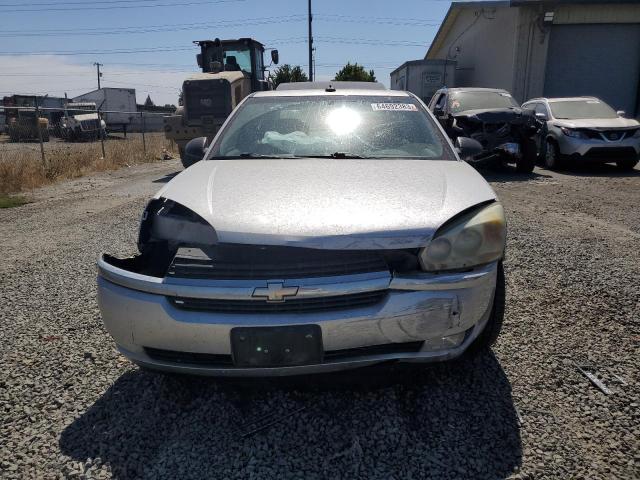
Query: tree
{"x": 286, "y": 73}
{"x": 355, "y": 73}
{"x": 148, "y": 102}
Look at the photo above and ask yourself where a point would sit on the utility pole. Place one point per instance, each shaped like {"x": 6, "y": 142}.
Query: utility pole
{"x": 98, "y": 65}
{"x": 310, "y": 45}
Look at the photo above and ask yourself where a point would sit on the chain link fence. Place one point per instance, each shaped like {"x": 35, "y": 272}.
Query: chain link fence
{"x": 38, "y": 145}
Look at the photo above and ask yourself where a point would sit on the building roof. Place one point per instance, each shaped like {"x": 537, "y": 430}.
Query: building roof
{"x": 518, "y": 3}
{"x": 422, "y": 61}
{"x": 456, "y": 7}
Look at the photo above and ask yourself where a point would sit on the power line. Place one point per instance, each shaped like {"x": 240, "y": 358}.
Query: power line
{"x": 412, "y": 22}
{"x": 100, "y": 52}
{"x": 131, "y": 30}
{"x": 40, "y": 4}
{"x": 113, "y": 7}
{"x": 140, "y": 29}
{"x": 169, "y": 48}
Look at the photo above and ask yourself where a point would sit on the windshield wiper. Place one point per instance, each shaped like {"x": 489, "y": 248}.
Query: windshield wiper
{"x": 332, "y": 155}
{"x": 342, "y": 155}
{"x": 247, "y": 155}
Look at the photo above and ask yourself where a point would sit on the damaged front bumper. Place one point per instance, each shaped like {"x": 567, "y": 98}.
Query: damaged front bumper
{"x": 509, "y": 151}
{"x": 420, "y": 317}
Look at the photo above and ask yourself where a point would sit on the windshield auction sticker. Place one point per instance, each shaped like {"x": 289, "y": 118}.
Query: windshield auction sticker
{"x": 404, "y": 107}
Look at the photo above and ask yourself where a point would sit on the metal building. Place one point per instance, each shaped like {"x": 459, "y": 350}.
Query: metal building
{"x": 546, "y": 48}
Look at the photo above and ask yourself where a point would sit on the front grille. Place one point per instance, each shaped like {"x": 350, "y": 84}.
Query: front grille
{"x": 611, "y": 135}
{"x": 208, "y": 359}
{"x": 90, "y": 124}
{"x": 301, "y": 305}
{"x": 221, "y": 360}
{"x": 610, "y": 154}
{"x": 615, "y": 135}
{"x": 388, "y": 348}
{"x": 254, "y": 262}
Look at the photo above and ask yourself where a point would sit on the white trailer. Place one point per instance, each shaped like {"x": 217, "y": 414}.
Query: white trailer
{"x": 424, "y": 77}
{"x": 118, "y": 105}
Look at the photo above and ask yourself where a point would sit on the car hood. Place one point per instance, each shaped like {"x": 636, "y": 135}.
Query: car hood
{"x": 86, "y": 116}
{"x": 494, "y": 115}
{"x": 328, "y": 203}
{"x": 514, "y": 116}
{"x": 597, "y": 123}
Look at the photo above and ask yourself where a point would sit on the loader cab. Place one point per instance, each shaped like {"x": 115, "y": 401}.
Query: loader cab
{"x": 243, "y": 55}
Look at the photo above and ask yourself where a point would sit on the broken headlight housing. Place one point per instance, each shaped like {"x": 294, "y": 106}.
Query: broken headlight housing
{"x": 472, "y": 239}
{"x": 167, "y": 221}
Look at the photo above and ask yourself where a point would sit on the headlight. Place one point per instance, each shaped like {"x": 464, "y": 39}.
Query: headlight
{"x": 166, "y": 220}
{"x": 570, "y": 132}
{"x": 473, "y": 239}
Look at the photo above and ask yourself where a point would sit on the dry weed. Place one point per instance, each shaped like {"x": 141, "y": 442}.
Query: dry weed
{"x": 21, "y": 166}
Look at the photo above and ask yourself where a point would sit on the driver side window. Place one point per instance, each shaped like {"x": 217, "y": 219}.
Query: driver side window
{"x": 441, "y": 102}
{"x": 541, "y": 108}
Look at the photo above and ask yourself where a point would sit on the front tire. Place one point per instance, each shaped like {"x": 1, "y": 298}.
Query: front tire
{"x": 627, "y": 165}
{"x": 492, "y": 329}
{"x": 552, "y": 157}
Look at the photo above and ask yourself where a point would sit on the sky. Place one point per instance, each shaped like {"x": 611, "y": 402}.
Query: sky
{"x": 49, "y": 46}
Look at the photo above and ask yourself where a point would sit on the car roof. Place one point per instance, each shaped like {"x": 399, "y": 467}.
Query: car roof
{"x": 323, "y": 92}
{"x": 561, "y": 99}
{"x": 337, "y": 84}
{"x": 475, "y": 89}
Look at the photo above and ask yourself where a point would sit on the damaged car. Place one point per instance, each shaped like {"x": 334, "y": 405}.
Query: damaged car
{"x": 491, "y": 116}
{"x": 325, "y": 229}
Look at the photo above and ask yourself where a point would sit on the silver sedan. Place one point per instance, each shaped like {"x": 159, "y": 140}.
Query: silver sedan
{"x": 327, "y": 228}
{"x": 587, "y": 130}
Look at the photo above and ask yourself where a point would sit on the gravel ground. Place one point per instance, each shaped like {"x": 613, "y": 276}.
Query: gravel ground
{"x": 71, "y": 406}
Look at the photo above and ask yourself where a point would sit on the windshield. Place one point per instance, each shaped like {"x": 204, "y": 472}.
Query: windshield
{"x": 232, "y": 58}
{"x": 340, "y": 126}
{"x": 237, "y": 59}
{"x": 463, "y": 101}
{"x": 582, "y": 109}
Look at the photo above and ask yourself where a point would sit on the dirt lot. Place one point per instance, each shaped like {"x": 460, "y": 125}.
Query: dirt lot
{"x": 71, "y": 406}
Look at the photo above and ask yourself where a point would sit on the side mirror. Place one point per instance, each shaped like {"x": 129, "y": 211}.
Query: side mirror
{"x": 275, "y": 57}
{"x": 541, "y": 116}
{"x": 621, "y": 113}
{"x": 467, "y": 147}
{"x": 194, "y": 151}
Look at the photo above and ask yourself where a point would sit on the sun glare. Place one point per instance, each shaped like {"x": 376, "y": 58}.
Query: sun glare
{"x": 343, "y": 120}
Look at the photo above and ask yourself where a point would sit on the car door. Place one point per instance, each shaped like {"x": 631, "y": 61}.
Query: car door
{"x": 540, "y": 109}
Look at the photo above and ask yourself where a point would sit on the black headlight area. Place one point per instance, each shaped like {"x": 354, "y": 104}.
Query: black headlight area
{"x": 167, "y": 221}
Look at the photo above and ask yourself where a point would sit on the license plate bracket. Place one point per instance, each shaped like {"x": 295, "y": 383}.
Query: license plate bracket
{"x": 276, "y": 346}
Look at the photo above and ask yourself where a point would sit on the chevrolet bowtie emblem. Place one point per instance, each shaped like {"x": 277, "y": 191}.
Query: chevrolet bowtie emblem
{"x": 275, "y": 292}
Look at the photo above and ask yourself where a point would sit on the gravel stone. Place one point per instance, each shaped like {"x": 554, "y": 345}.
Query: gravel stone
{"x": 72, "y": 407}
